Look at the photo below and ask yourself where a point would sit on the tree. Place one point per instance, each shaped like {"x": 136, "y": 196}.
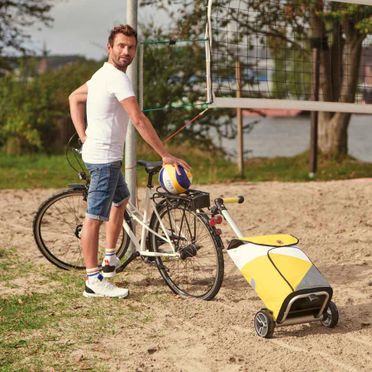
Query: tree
{"x": 339, "y": 28}
{"x": 34, "y": 110}
{"x": 175, "y": 90}
{"x": 176, "y": 74}
{"x": 15, "y": 16}
{"x": 343, "y": 29}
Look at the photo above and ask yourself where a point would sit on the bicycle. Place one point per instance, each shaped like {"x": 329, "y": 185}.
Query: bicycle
{"x": 176, "y": 233}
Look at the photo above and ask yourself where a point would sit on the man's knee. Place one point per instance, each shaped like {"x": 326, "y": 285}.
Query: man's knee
{"x": 92, "y": 223}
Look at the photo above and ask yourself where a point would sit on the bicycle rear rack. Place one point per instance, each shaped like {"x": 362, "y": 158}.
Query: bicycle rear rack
{"x": 192, "y": 199}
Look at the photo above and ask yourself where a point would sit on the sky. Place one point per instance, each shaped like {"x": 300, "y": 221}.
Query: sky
{"x": 82, "y": 26}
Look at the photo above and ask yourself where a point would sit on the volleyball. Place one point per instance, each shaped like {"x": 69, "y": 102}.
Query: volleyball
{"x": 172, "y": 182}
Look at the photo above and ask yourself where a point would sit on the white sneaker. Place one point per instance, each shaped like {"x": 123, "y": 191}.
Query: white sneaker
{"x": 109, "y": 266}
{"x": 100, "y": 287}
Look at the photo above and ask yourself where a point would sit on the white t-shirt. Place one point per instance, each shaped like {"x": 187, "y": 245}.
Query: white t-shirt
{"x": 107, "y": 120}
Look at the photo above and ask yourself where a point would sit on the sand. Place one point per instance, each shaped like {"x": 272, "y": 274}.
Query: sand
{"x": 333, "y": 221}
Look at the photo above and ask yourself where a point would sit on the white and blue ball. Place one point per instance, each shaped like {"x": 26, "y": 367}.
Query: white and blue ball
{"x": 172, "y": 182}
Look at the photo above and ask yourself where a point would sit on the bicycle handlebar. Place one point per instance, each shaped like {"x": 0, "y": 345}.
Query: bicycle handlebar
{"x": 235, "y": 199}
{"x": 220, "y": 202}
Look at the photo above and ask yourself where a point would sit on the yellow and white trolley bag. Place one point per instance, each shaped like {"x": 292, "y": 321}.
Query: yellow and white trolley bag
{"x": 291, "y": 287}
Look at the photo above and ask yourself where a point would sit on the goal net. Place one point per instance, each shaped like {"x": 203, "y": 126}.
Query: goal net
{"x": 173, "y": 72}
{"x": 281, "y": 54}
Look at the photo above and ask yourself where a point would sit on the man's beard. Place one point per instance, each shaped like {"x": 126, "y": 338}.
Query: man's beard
{"x": 122, "y": 64}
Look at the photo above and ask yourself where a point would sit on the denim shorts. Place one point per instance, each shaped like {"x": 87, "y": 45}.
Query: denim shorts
{"x": 107, "y": 187}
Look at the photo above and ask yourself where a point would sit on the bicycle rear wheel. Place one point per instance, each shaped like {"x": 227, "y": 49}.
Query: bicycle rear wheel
{"x": 198, "y": 272}
{"x": 57, "y": 228}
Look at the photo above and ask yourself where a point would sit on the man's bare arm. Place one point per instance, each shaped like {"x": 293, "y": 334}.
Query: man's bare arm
{"x": 77, "y": 100}
{"x": 148, "y": 133}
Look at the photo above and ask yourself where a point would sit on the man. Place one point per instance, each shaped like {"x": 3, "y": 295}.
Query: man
{"x": 109, "y": 102}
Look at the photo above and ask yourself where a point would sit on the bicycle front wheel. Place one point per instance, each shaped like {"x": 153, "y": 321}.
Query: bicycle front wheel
{"x": 198, "y": 271}
{"x": 57, "y": 229}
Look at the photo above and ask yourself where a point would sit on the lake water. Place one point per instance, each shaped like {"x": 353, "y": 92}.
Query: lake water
{"x": 290, "y": 136}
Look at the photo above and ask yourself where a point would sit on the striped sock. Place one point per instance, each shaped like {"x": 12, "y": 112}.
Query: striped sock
{"x": 109, "y": 252}
{"x": 93, "y": 273}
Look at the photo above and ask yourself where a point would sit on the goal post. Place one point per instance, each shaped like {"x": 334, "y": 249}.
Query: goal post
{"x": 356, "y": 2}
{"x": 259, "y": 103}
{"x": 276, "y": 58}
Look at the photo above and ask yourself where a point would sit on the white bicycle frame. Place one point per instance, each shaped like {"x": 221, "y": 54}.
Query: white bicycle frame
{"x": 144, "y": 219}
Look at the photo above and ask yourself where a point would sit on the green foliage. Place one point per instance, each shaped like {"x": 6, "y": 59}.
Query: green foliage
{"x": 34, "y": 112}
{"x": 292, "y": 72}
{"x": 174, "y": 75}
{"x": 358, "y": 15}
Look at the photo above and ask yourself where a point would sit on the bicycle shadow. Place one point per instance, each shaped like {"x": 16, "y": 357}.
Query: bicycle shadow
{"x": 149, "y": 282}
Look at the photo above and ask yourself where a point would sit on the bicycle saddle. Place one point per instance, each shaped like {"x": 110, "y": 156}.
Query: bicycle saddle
{"x": 151, "y": 167}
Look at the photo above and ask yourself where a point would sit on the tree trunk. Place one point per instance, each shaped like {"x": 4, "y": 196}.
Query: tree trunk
{"x": 333, "y": 134}
{"x": 333, "y": 127}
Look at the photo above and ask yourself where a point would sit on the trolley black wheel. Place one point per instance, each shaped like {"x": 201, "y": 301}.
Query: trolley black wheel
{"x": 264, "y": 323}
{"x": 57, "y": 228}
{"x": 198, "y": 271}
{"x": 330, "y": 316}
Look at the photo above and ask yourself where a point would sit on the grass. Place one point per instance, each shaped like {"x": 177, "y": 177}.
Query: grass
{"x": 42, "y": 171}
{"x": 57, "y": 328}
{"x": 10, "y": 266}
{"x": 34, "y": 171}
{"x": 43, "y": 331}
{"x": 297, "y": 169}
{"x": 28, "y": 324}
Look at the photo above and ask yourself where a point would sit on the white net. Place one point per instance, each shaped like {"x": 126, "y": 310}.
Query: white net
{"x": 269, "y": 53}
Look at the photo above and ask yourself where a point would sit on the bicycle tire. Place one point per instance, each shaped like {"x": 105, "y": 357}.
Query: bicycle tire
{"x": 57, "y": 226}
{"x": 199, "y": 270}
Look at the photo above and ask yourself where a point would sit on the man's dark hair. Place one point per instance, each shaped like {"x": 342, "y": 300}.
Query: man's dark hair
{"x": 121, "y": 29}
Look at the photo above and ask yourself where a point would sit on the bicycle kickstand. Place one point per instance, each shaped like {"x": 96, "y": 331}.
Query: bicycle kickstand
{"x": 132, "y": 257}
